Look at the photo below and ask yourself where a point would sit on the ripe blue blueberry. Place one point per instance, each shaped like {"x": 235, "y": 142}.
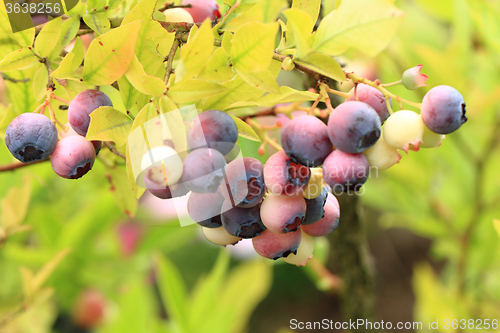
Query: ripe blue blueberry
{"x": 244, "y": 182}
{"x": 213, "y": 129}
{"x": 315, "y": 210}
{"x": 305, "y": 139}
{"x": 329, "y": 222}
{"x": 371, "y": 96}
{"x": 31, "y": 137}
{"x": 205, "y": 208}
{"x": 354, "y": 127}
{"x": 242, "y": 222}
{"x": 203, "y": 170}
{"x": 82, "y": 106}
{"x": 443, "y": 110}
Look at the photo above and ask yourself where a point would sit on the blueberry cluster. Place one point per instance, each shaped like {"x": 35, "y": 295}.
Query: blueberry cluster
{"x": 32, "y": 137}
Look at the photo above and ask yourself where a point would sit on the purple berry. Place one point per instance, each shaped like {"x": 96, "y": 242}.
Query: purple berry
{"x": 73, "y": 157}
{"x": 443, "y": 110}
{"x": 329, "y": 222}
{"x": 373, "y": 97}
{"x": 213, "y": 129}
{"x": 31, "y": 137}
{"x": 305, "y": 139}
{"x": 203, "y": 170}
{"x": 316, "y": 207}
{"x": 345, "y": 172}
{"x": 205, "y": 208}
{"x": 82, "y": 106}
{"x": 163, "y": 191}
{"x": 285, "y": 177}
{"x": 242, "y": 222}
{"x": 275, "y": 246}
{"x": 354, "y": 127}
{"x": 244, "y": 182}
{"x": 282, "y": 214}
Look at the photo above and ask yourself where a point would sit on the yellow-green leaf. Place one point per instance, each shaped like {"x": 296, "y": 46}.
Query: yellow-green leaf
{"x": 18, "y": 59}
{"x": 132, "y": 99}
{"x": 253, "y": 46}
{"x": 263, "y": 80}
{"x": 98, "y": 22}
{"x": 300, "y": 27}
{"x": 70, "y": 62}
{"x": 192, "y": 90}
{"x": 120, "y": 191}
{"x": 311, "y": 7}
{"x": 496, "y": 224}
{"x": 69, "y": 30}
{"x": 25, "y": 37}
{"x": 218, "y": 67}
{"x": 109, "y": 55}
{"x": 366, "y": 25}
{"x": 108, "y": 124}
{"x": 245, "y": 130}
{"x": 48, "y": 38}
{"x": 237, "y": 22}
{"x": 237, "y": 90}
{"x": 198, "y": 50}
{"x": 287, "y": 95}
{"x": 324, "y": 65}
{"x": 40, "y": 83}
{"x": 44, "y": 273}
{"x": 146, "y": 84}
{"x": 8, "y": 116}
{"x": 15, "y": 204}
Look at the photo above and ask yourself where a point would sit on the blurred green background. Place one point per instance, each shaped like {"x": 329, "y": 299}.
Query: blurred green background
{"x": 429, "y": 220}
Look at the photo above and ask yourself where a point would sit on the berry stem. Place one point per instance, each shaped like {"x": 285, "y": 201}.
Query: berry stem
{"x": 338, "y": 93}
{"x": 376, "y": 84}
{"x": 392, "y": 84}
{"x": 59, "y": 99}
{"x": 313, "y": 107}
{"x": 113, "y": 149}
{"x": 17, "y": 165}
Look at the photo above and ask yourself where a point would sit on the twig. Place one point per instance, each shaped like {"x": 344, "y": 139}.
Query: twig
{"x": 170, "y": 59}
{"x": 8, "y": 78}
{"x": 229, "y": 13}
{"x": 18, "y": 165}
{"x": 170, "y": 5}
{"x": 114, "y": 150}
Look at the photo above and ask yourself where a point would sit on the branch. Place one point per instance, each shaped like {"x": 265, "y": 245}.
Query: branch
{"x": 18, "y": 165}
{"x": 113, "y": 149}
{"x": 8, "y": 78}
{"x": 169, "y": 5}
{"x": 170, "y": 59}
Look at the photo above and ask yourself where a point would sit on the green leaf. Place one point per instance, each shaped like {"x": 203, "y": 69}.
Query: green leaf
{"x": 496, "y": 224}
{"x": 235, "y": 23}
{"x": 69, "y": 30}
{"x": 48, "y": 38}
{"x": 120, "y": 190}
{"x": 366, "y": 25}
{"x": 218, "y": 67}
{"x": 153, "y": 60}
{"x": 245, "y": 130}
{"x": 46, "y": 271}
{"x": 15, "y": 204}
{"x": 70, "y": 62}
{"x": 198, "y": 50}
{"x": 311, "y": 7}
{"x": 131, "y": 97}
{"x": 287, "y": 95}
{"x": 108, "y": 124}
{"x": 18, "y": 59}
{"x": 324, "y": 65}
{"x": 253, "y": 46}
{"x": 109, "y": 55}
{"x": 237, "y": 90}
{"x": 263, "y": 80}
{"x": 40, "y": 83}
{"x": 25, "y": 37}
{"x": 9, "y": 115}
{"x": 300, "y": 27}
{"x": 172, "y": 291}
{"x": 142, "y": 11}
{"x": 192, "y": 90}
{"x": 146, "y": 84}
{"x": 98, "y": 22}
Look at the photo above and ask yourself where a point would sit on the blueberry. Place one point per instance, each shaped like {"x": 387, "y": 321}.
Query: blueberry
{"x": 203, "y": 170}
{"x": 275, "y": 246}
{"x": 31, "y": 137}
{"x": 244, "y": 182}
{"x": 305, "y": 139}
{"x": 329, "y": 222}
{"x": 315, "y": 210}
{"x": 284, "y": 176}
{"x": 354, "y": 127}
{"x": 373, "y": 97}
{"x": 282, "y": 214}
{"x": 219, "y": 236}
{"x": 82, "y": 106}
{"x": 443, "y": 110}
{"x": 203, "y": 9}
{"x": 345, "y": 172}
{"x": 213, "y": 129}
{"x": 205, "y": 208}
{"x": 73, "y": 157}
{"x": 242, "y": 222}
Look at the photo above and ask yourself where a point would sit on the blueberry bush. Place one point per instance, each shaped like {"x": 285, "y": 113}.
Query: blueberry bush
{"x": 224, "y": 166}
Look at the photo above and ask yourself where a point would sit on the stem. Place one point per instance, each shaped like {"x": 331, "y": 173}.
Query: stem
{"x": 170, "y": 59}
{"x": 60, "y": 99}
{"x": 228, "y": 14}
{"x": 392, "y": 84}
{"x": 18, "y": 165}
{"x": 8, "y": 78}
{"x": 170, "y": 5}
{"x": 313, "y": 107}
{"x": 334, "y": 282}
{"x": 339, "y": 93}
{"x": 376, "y": 84}
{"x": 352, "y": 256}
{"x": 113, "y": 149}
